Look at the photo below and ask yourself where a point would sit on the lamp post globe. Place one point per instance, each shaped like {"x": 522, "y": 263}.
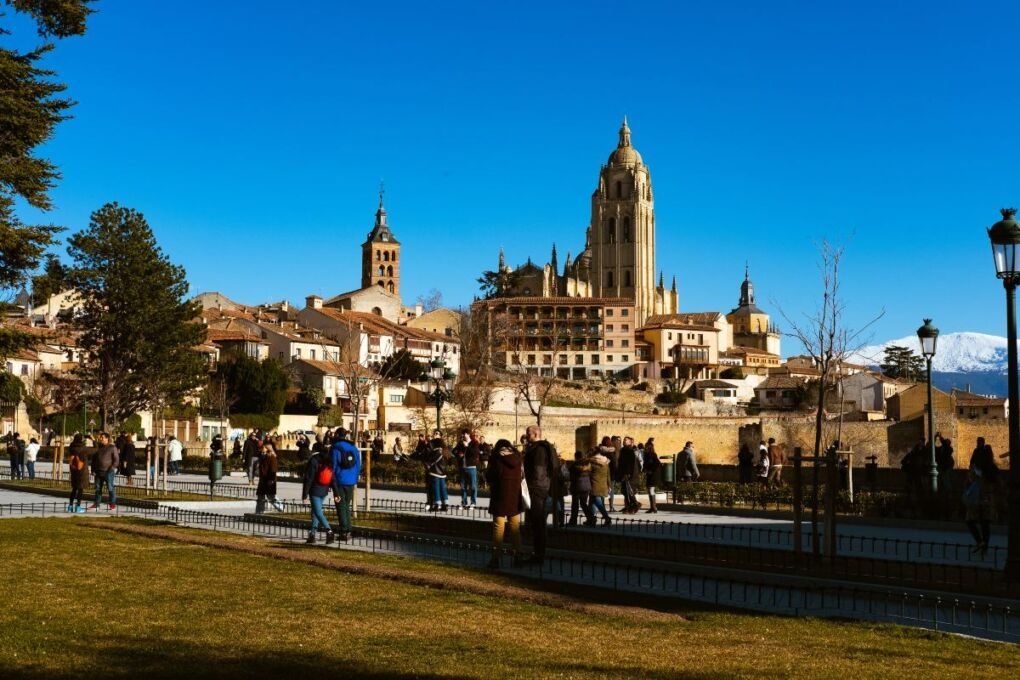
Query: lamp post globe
{"x": 1005, "y": 237}
{"x": 929, "y": 335}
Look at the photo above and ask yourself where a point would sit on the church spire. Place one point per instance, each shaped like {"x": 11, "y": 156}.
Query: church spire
{"x": 674, "y": 283}
{"x": 746, "y": 288}
{"x": 624, "y": 134}
{"x": 553, "y": 261}
{"x": 502, "y": 259}
{"x": 380, "y": 214}
{"x": 662, "y": 281}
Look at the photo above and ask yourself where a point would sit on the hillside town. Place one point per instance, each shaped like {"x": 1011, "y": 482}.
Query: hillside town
{"x": 577, "y": 346}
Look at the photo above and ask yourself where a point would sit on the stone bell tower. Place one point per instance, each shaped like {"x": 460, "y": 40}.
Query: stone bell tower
{"x": 380, "y": 255}
{"x": 623, "y": 230}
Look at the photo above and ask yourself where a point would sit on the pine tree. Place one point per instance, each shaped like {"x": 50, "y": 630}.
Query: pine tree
{"x": 30, "y": 108}
{"x": 901, "y": 363}
{"x": 138, "y": 331}
{"x": 499, "y": 283}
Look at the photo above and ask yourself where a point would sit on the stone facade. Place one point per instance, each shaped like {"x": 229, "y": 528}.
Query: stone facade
{"x": 380, "y": 255}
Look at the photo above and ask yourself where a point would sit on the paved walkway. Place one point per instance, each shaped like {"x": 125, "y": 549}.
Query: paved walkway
{"x": 866, "y": 540}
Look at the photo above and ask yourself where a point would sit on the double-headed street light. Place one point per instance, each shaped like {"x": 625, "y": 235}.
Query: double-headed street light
{"x": 1005, "y": 237}
{"x": 442, "y": 379}
{"x": 929, "y": 335}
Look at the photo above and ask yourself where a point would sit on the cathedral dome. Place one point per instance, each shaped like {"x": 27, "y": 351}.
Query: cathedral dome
{"x": 625, "y": 154}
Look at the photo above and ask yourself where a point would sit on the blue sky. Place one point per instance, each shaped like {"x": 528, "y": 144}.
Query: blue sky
{"x": 253, "y": 136}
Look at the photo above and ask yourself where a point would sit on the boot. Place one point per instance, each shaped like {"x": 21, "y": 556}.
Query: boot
{"x": 311, "y": 538}
{"x": 330, "y": 537}
{"x": 70, "y": 508}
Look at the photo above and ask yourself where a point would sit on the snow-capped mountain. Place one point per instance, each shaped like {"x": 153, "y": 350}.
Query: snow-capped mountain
{"x": 962, "y": 360}
{"x": 954, "y": 353}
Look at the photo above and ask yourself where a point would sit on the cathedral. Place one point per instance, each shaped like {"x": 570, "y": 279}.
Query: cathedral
{"x": 618, "y": 259}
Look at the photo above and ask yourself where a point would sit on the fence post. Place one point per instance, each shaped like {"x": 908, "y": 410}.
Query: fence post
{"x": 798, "y": 496}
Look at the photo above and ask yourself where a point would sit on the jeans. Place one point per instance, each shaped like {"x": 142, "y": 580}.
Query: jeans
{"x": 75, "y": 499}
{"x": 582, "y": 500}
{"x": 31, "y": 469}
{"x": 344, "y": 507}
{"x": 439, "y": 496}
{"x": 253, "y": 466}
{"x": 175, "y": 467}
{"x": 318, "y": 517}
{"x": 108, "y": 479}
{"x": 612, "y": 493}
{"x": 469, "y": 485}
{"x": 599, "y": 503}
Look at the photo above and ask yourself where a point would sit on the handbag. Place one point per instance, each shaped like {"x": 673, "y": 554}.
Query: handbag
{"x": 525, "y": 494}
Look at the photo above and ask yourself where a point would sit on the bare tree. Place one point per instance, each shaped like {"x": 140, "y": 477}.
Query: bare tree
{"x": 431, "y": 300}
{"x": 829, "y": 342}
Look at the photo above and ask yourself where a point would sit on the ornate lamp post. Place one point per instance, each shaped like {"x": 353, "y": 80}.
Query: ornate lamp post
{"x": 1005, "y": 237}
{"x": 442, "y": 380}
{"x": 929, "y": 335}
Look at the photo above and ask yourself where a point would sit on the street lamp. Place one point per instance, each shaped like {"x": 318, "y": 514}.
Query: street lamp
{"x": 442, "y": 379}
{"x": 1005, "y": 236}
{"x": 929, "y": 335}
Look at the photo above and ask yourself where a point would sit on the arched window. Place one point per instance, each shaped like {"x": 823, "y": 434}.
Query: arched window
{"x": 609, "y": 280}
{"x": 389, "y": 270}
{"x": 619, "y": 189}
{"x": 626, "y": 279}
{"x": 389, "y": 286}
{"x": 394, "y": 258}
{"x": 626, "y": 229}
{"x": 377, "y": 311}
{"x": 378, "y": 255}
{"x": 382, "y": 270}
{"x": 381, "y": 285}
{"x": 611, "y": 230}
{"x": 386, "y": 257}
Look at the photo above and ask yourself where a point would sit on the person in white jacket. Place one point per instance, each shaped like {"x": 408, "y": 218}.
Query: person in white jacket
{"x": 31, "y": 455}
{"x": 175, "y": 453}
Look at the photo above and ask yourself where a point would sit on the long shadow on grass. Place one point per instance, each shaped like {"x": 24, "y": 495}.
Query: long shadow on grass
{"x": 154, "y": 658}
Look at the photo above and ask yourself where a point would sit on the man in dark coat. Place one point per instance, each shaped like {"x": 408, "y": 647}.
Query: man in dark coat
{"x": 504, "y": 477}
{"x": 539, "y": 465}
{"x": 628, "y": 471}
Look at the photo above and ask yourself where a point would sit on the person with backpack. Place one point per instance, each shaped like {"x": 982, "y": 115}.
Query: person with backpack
{"x": 346, "y": 461}
{"x": 79, "y": 473}
{"x": 318, "y": 483}
{"x": 540, "y": 464}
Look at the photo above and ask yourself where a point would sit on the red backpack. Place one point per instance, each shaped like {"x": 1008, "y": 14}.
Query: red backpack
{"x": 325, "y": 474}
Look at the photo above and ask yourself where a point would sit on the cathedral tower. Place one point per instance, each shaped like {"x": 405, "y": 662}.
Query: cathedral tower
{"x": 623, "y": 230}
{"x": 380, "y": 255}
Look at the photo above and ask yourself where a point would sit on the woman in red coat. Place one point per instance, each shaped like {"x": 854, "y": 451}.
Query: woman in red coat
{"x": 504, "y": 477}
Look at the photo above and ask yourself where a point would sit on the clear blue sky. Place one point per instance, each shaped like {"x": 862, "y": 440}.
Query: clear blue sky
{"x": 253, "y": 136}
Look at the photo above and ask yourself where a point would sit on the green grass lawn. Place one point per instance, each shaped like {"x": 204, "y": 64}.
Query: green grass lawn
{"x": 82, "y": 601}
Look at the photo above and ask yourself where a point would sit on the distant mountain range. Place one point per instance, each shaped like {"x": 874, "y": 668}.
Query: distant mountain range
{"x": 962, "y": 360}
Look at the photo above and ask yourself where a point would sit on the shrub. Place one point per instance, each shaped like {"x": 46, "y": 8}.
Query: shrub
{"x": 641, "y": 387}
{"x": 614, "y": 390}
{"x": 252, "y": 421}
{"x": 574, "y": 385}
{"x": 670, "y": 398}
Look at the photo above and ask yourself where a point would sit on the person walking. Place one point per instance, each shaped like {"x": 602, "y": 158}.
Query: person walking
{"x": 777, "y": 458}
{"x": 268, "y": 468}
{"x": 580, "y": 489}
{"x": 31, "y": 455}
{"x": 504, "y": 478}
{"x": 175, "y": 454}
{"x": 763, "y": 466}
{"x": 152, "y": 455}
{"x": 304, "y": 447}
{"x": 318, "y": 483}
{"x": 652, "y": 469}
{"x": 16, "y": 447}
{"x": 979, "y": 499}
{"x": 127, "y": 458}
{"x": 946, "y": 464}
{"x": 435, "y": 468}
{"x": 251, "y": 453}
{"x": 687, "y": 464}
{"x": 539, "y": 466}
{"x": 627, "y": 472}
{"x": 346, "y": 459}
{"x": 105, "y": 461}
{"x": 460, "y": 455}
{"x": 79, "y": 474}
{"x": 558, "y": 489}
{"x": 599, "y": 485}
{"x": 745, "y": 463}
{"x": 397, "y": 450}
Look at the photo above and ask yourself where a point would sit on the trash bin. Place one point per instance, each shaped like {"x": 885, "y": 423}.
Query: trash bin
{"x": 669, "y": 471}
{"x": 215, "y": 466}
